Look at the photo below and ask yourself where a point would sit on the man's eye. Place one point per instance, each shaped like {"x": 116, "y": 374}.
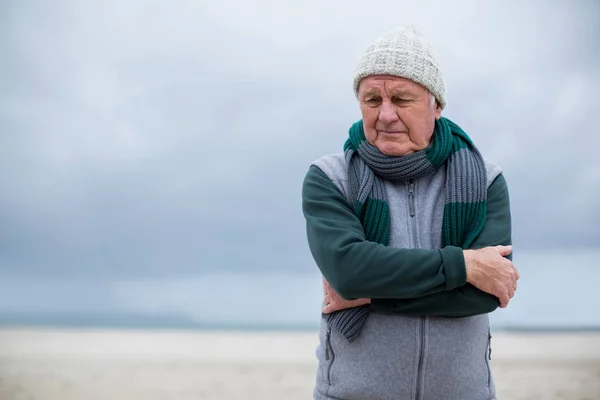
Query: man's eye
{"x": 374, "y": 100}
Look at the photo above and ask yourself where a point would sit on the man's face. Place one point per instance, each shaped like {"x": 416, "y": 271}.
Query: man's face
{"x": 397, "y": 114}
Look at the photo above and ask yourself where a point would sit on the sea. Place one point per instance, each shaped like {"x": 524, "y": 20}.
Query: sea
{"x": 558, "y": 290}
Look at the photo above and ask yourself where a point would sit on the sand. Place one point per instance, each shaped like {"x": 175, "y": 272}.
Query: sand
{"x": 185, "y": 365}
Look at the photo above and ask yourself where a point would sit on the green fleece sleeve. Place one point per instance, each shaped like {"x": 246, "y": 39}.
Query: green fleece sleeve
{"x": 358, "y": 268}
{"x": 466, "y": 300}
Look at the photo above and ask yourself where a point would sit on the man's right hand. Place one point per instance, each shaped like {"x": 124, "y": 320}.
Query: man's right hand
{"x": 489, "y": 271}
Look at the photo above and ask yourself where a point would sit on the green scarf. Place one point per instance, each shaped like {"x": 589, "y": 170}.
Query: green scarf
{"x": 466, "y": 194}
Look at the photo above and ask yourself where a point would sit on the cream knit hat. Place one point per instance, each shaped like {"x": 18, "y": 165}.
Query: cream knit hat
{"x": 405, "y": 53}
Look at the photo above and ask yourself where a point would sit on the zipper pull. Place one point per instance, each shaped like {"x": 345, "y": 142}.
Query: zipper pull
{"x": 411, "y": 197}
{"x": 327, "y": 335}
{"x": 490, "y": 347}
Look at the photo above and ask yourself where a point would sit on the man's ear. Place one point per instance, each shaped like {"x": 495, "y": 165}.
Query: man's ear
{"x": 438, "y": 110}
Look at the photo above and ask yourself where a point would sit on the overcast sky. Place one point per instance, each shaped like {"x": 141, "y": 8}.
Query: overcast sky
{"x": 149, "y": 138}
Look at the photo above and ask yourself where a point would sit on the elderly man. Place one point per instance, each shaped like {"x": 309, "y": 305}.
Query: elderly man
{"x": 411, "y": 230}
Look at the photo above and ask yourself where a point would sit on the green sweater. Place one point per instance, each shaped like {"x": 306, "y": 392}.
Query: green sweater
{"x": 404, "y": 281}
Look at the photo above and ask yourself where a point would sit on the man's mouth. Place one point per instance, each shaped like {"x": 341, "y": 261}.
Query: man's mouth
{"x": 391, "y": 132}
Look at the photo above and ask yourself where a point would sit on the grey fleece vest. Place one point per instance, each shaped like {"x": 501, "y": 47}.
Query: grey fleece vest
{"x": 398, "y": 357}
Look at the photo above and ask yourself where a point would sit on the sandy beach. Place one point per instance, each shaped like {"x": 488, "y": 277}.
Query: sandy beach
{"x": 182, "y": 365}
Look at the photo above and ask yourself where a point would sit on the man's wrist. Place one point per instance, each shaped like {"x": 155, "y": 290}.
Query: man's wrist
{"x": 454, "y": 266}
{"x": 469, "y": 256}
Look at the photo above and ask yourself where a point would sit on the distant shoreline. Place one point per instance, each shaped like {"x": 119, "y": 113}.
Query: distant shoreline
{"x": 251, "y": 328}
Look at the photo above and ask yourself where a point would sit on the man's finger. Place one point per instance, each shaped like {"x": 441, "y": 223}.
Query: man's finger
{"x": 504, "y": 250}
{"x": 504, "y": 299}
{"x": 517, "y": 275}
{"x": 329, "y": 308}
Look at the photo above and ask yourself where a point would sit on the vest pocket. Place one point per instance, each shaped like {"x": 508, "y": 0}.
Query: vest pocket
{"x": 488, "y": 357}
{"x": 329, "y": 355}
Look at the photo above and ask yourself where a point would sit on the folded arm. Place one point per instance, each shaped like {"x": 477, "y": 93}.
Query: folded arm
{"x": 358, "y": 268}
{"x": 401, "y": 281}
{"x": 466, "y": 300}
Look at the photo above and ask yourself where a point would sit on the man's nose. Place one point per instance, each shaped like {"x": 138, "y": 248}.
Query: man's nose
{"x": 387, "y": 113}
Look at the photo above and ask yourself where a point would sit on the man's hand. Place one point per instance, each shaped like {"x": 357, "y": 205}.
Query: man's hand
{"x": 489, "y": 271}
{"x": 334, "y": 302}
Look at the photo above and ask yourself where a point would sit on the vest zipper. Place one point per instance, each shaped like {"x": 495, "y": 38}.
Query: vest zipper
{"x": 421, "y": 356}
{"x": 412, "y": 212}
{"x": 411, "y": 197}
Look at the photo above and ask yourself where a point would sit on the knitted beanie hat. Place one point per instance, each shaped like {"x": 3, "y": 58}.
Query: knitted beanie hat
{"x": 405, "y": 53}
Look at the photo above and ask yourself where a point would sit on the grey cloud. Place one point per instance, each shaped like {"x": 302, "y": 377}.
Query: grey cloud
{"x": 146, "y": 138}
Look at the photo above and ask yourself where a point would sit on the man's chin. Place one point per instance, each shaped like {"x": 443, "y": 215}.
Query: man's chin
{"x": 395, "y": 149}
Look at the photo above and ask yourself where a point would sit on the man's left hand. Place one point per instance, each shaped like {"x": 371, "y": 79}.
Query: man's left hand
{"x": 334, "y": 302}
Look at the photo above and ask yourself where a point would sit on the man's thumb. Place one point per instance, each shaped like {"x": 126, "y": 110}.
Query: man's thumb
{"x": 504, "y": 250}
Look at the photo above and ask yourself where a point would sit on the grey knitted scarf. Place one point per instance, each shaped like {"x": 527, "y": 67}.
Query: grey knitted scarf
{"x": 466, "y": 195}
